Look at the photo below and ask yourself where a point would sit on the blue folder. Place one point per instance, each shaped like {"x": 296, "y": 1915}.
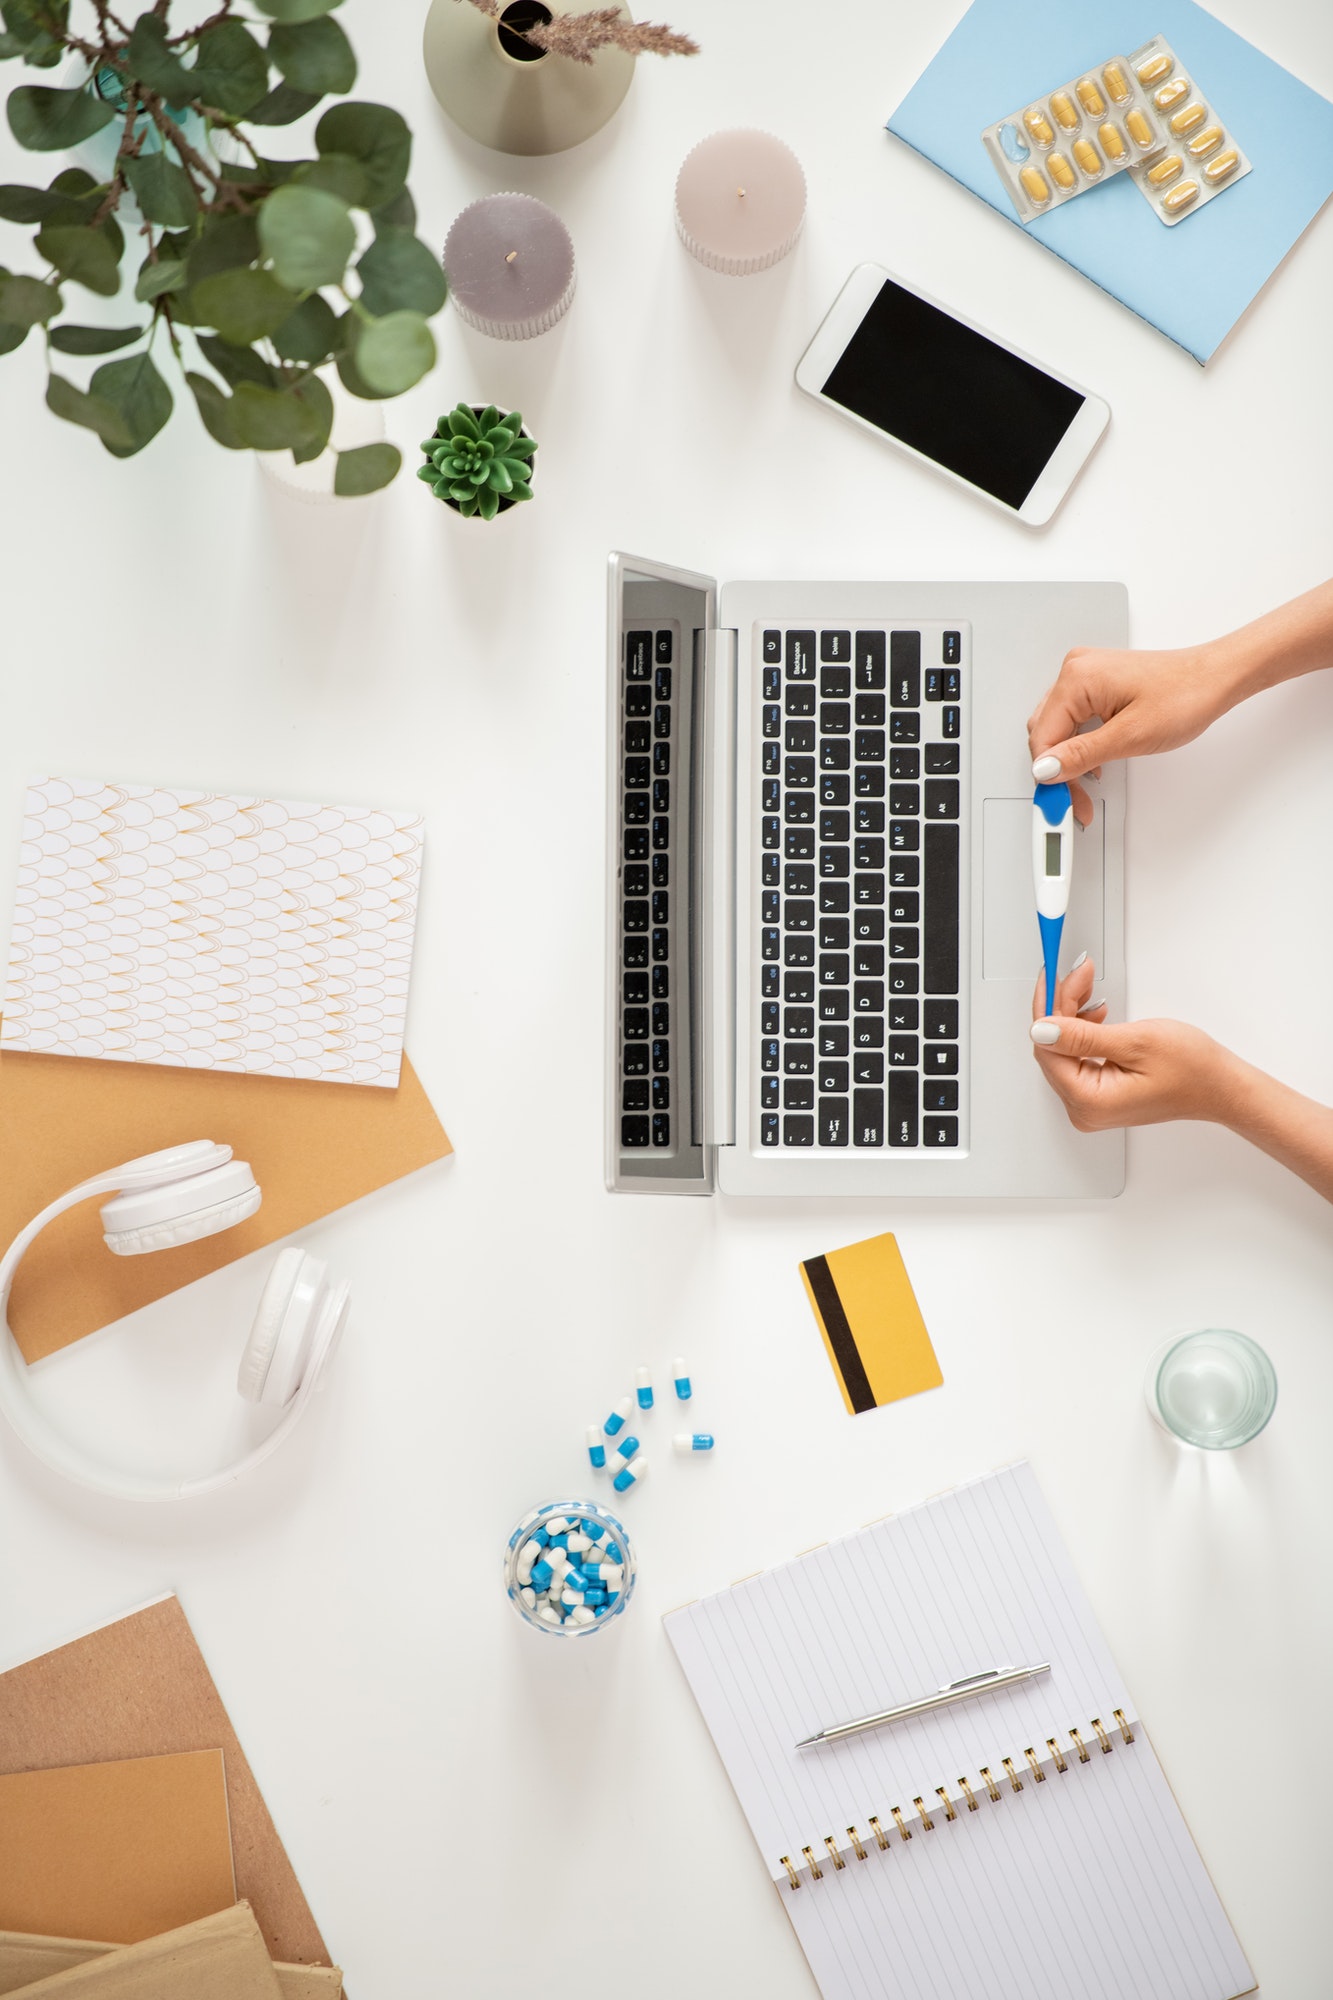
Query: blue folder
{"x": 1194, "y": 281}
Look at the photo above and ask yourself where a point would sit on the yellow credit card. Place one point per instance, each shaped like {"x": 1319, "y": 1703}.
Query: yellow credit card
{"x": 876, "y": 1339}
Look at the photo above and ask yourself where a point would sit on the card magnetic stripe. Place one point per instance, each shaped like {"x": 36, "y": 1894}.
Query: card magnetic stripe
{"x": 838, "y": 1336}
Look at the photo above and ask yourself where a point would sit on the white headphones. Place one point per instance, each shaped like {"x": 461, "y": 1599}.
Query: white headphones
{"x": 166, "y": 1198}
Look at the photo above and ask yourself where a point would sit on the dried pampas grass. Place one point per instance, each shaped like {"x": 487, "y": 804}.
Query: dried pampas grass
{"x": 579, "y": 36}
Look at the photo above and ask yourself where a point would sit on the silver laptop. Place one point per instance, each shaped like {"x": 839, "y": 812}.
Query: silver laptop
{"x": 821, "y": 933}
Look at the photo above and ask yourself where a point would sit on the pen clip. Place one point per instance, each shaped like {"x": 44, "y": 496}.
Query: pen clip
{"x": 975, "y": 1680}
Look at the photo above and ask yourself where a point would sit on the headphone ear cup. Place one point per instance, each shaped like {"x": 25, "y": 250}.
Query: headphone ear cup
{"x": 184, "y": 1229}
{"x": 181, "y": 1211}
{"x": 279, "y": 1345}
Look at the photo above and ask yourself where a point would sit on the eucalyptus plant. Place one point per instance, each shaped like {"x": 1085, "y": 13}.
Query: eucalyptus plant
{"x": 252, "y": 273}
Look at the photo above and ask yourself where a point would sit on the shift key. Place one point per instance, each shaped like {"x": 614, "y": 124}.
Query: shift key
{"x": 902, "y": 1108}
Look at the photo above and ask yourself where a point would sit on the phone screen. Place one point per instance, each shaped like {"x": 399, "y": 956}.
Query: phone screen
{"x": 952, "y": 395}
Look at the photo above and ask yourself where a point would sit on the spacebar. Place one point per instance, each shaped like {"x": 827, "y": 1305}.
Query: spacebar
{"x": 939, "y": 953}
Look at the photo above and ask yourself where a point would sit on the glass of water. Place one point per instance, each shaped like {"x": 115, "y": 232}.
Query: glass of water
{"x": 1213, "y": 1388}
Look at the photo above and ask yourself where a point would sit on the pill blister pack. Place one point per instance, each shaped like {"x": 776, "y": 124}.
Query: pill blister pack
{"x": 1200, "y": 159}
{"x": 1097, "y": 125}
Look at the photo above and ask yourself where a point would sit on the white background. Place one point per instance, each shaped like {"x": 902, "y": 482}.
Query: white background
{"x": 470, "y": 1807}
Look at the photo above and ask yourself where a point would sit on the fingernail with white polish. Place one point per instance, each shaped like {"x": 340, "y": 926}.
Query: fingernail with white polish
{"x": 1082, "y": 959}
{"x": 1045, "y": 769}
{"x": 1044, "y": 1033}
{"x": 1092, "y": 1007}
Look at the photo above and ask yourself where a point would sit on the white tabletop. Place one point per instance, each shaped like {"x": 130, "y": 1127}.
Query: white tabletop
{"x": 470, "y": 1807}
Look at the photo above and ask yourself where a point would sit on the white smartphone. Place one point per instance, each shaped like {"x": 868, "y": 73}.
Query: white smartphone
{"x": 952, "y": 396}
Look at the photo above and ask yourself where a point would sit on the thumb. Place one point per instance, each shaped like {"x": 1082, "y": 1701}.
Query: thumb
{"x": 1072, "y": 1035}
{"x": 1080, "y": 754}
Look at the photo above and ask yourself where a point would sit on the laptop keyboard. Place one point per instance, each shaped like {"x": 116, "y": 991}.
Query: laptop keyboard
{"x": 649, "y": 740}
{"x": 862, "y": 806}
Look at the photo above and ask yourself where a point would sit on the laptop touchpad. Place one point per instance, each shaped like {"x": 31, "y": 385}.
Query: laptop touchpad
{"x": 1011, "y": 943}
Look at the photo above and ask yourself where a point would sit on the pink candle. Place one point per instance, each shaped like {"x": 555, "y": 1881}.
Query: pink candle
{"x": 740, "y": 201}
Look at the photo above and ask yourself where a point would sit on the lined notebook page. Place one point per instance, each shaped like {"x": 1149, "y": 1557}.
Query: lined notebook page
{"x": 1087, "y": 1881}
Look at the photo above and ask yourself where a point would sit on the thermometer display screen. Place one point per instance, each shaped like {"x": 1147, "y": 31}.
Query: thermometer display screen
{"x": 1052, "y": 854}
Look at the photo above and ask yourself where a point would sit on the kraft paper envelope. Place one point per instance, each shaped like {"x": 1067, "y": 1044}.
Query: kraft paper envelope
{"x": 119, "y": 1851}
{"x": 313, "y": 1146}
{"x": 24, "y": 1959}
{"x": 220, "y": 1958}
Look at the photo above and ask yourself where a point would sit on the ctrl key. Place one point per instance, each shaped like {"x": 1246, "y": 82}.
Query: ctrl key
{"x": 939, "y": 1131}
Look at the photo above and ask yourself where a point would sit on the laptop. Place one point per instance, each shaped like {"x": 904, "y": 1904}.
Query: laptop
{"x": 822, "y": 942}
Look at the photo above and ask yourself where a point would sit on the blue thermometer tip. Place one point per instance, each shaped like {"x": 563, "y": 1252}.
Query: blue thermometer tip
{"x": 1052, "y": 929}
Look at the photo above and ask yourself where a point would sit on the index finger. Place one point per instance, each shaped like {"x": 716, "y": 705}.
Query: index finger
{"x": 1071, "y": 701}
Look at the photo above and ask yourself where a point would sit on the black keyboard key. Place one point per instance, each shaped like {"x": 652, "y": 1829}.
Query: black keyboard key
{"x": 868, "y": 890}
{"x": 661, "y": 833}
{"x": 941, "y": 758}
{"x": 835, "y": 683}
{"x": 941, "y": 798}
{"x": 661, "y": 946}
{"x": 636, "y": 844}
{"x": 835, "y": 934}
{"x": 800, "y": 739}
{"x": 940, "y": 940}
{"x": 638, "y": 656}
{"x": 638, "y": 701}
{"x": 662, "y": 683}
{"x": 798, "y": 1094}
{"x": 904, "y": 800}
{"x": 835, "y": 787}
{"x": 798, "y": 988}
{"x": 638, "y": 739}
{"x": 798, "y": 1024}
{"x": 904, "y": 871}
{"x": 953, "y": 685}
{"x": 770, "y": 1018}
{"x": 661, "y": 759}
{"x": 634, "y": 1096}
{"x": 661, "y": 1129}
{"x": 661, "y": 982}
{"x": 868, "y": 1066}
{"x": 635, "y": 917}
{"x": 661, "y": 1057}
{"x": 904, "y": 836}
{"x": 903, "y": 1051}
{"x": 904, "y": 976}
{"x": 870, "y": 816}
{"x": 636, "y": 808}
{"x": 770, "y": 1129}
{"x": 870, "y": 711}
{"x": 661, "y": 1018}
{"x": 636, "y": 990}
{"x": 939, "y": 1096}
{"x": 941, "y": 1059}
{"x": 869, "y": 961}
{"x": 869, "y": 746}
{"x": 800, "y": 656}
{"x": 772, "y": 831}
{"x": 835, "y": 826}
{"x": 868, "y": 996}
{"x": 661, "y": 795}
{"x": 663, "y": 648}
{"x": 834, "y": 1004}
{"x": 870, "y": 660}
{"x": 770, "y": 1054}
{"x": 952, "y": 721}
{"x": 833, "y": 1041}
{"x": 635, "y": 881}
{"x": 904, "y": 943}
{"x": 868, "y": 1117}
{"x": 800, "y": 843}
{"x": 934, "y": 689}
{"x": 902, "y": 1108}
{"x": 799, "y": 879}
{"x": 798, "y": 915}
{"x": 770, "y": 870}
{"x": 870, "y": 853}
{"x": 769, "y": 1093}
{"x": 835, "y": 863}
{"x": 833, "y": 1121}
{"x": 870, "y": 781}
{"x": 798, "y": 808}
{"x": 634, "y": 1059}
{"x": 634, "y": 952}
{"x": 798, "y": 1059}
{"x": 835, "y": 968}
{"x": 798, "y": 951}
{"x": 835, "y": 718}
{"x": 904, "y": 1016}
{"x": 833, "y": 1077}
{"x": 772, "y": 647}
{"x": 835, "y": 754}
{"x": 799, "y": 700}
{"x": 869, "y": 926}
{"x": 772, "y": 683}
{"x": 633, "y": 1132}
{"x": 952, "y": 648}
{"x": 905, "y": 669}
{"x": 636, "y": 1024}
{"x": 770, "y": 793}
{"x": 800, "y": 773}
{"x": 905, "y": 726}
{"x": 942, "y": 1020}
{"x": 661, "y": 720}
{"x": 868, "y": 1032}
{"x": 772, "y": 720}
{"x": 904, "y": 906}
{"x": 939, "y": 1131}
{"x": 835, "y": 646}
{"x": 798, "y": 1130}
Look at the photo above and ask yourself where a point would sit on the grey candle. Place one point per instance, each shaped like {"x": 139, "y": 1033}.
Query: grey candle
{"x": 509, "y": 261}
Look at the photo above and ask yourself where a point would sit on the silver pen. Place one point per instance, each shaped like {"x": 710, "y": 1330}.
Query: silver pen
{"x": 987, "y": 1683}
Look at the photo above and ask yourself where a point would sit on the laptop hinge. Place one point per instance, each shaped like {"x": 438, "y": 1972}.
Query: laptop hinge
{"x": 716, "y": 887}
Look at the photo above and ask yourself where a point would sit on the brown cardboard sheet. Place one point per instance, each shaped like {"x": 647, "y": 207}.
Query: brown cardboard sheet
{"x": 24, "y": 1959}
{"x": 313, "y": 1147}
{"x": 221, "y": 1957}
{"x": 119, "y": 1850}
{"x": 140, "y": 1688}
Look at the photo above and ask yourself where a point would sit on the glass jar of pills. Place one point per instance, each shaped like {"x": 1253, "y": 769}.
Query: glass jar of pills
{"x": 569, "y": 1568}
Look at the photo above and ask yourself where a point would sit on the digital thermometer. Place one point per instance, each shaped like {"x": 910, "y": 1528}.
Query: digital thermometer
{"x": 1052, "y": 871}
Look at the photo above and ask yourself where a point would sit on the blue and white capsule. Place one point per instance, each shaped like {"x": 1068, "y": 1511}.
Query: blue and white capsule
{"x": 625, "y": 1451}
{"x": 596, "y": 1449}
{"x": 619, "y": 1417}
{"x": 643, "y": 1388}
{"x": 684, "y": 1442}
{"x": 630, "y": 1475}
{"x": 681, "y": 1377}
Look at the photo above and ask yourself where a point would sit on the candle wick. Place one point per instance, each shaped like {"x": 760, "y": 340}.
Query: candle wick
{"x": 741, "y": 193}
{"x": 510, "y": 258}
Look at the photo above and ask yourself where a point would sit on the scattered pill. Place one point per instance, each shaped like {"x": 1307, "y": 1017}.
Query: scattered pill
{"x": 1156, "y": 67}
{"x": 577, "y": 1542}
{"x": 619, "y": 1417}
{"x": 541, "y": 1575}
{"x": 1166, "y": 171}
{"x": 613, "y": 1576}
{"x": 1181, "y": 197}
{"x": 629, "y": 1475}
{"x": 1039, "y": 126}
{"x": 1035, "y": 186}
{"x": 1204, "y": 143}
{"x": 1088, "y": 158}
{"x": 1064, "y": 110}
{"x": 1090, "y": 97}
{"x": 1117, "y": 83}
{"x": 1060, "y": 171}
{"x": 560, "y": 1542}
{"x": 681, "y": 1375}
{"x": 596, "y": 1449}
{"x": 1186, "y": 119}
{"x": 613, "y": 1552}
{"x": 626, "y": 1450}
{"x": 643, "y": 1388}
{"x": 593, "y": 1530}
{"x": 1171, "y": 93}
{"x": 685, "y": 1442}
{"x": 582, "y": 1615}
{"x": 1218, "y": 169}
{"x": 529, "y": 1596}
{"x": 558, "y": 1526}
{"x": 1139, "y": 127}
{"x": 549, "y": 1615}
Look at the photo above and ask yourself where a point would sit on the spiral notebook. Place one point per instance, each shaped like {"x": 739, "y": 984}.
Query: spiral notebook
{"x": 1022, "y": 1846}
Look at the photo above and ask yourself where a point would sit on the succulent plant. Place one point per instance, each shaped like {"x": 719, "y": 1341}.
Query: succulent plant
{"x": 478, "y": 460}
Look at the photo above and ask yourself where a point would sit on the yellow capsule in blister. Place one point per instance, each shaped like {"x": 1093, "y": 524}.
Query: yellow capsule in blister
{"x": 1154, "y": 69}
{"x": 1218, "y": 169}
{"x": 1063, "y": 110}
{"x": 1112, "y": 144}
{"x": 1088, "y": 158}
{"x": 1166, "y": 171}
{"x": 1039, "y": 126}
{"x": 1139, "y": 127}
{"x": 1180, "y": 197}
{"x": 1117, "y": 84}
{"x": 1090, "y": 97}
{"x": 1204, "y": 143}
{"x": 1061, "y": 172}
{"x": 1171, "y": 93}
{"x": 1186, "y": 120}
{"x": 1035, "y": 187}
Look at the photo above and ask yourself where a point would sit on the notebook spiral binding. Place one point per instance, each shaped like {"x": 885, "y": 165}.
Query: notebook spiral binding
{"x": 929, "y": 1816}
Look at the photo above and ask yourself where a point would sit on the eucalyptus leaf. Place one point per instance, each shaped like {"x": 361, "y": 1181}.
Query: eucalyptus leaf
{"x": 395, "y": 352}
{"x": 365, "y": 469}
{"x": 33, "y": 30}
{"x": 336, "y": 173}
{"x": 243, "y": 305}
{"x": 84, "y": 255}
{"x": 50, "y": 121}
{"x": 95, "y": 413}
{"x": 308, "y": 235}
{"x": 282, "y": 106}
{"x": 314, "y": 393}
{"x": 272, "y": 419}
{"x": 352, "y": 379}
{"x": 140, "y": 396}
{"x": 11, "y": 337}
{"x": 226, "y": 243}
{"x": 310, "y": 333}
{"x": 376, "y": 136}
{"x": 400, "y": 213}
{"x": 237, "y": 364}
{"x": 163, "y": 190}
{"x": 25, "y": 204}
{"x": 167, "y": 275}
{"x": 215, "y": 410}
{"x": 152, "y": 62}
{"x": 26, "y": 302}
{"x": 231, "y": 70}
{"x": 399, "y": 271}
{"x": 313, "y": 55}
{"x": 76, "y": 181}
{"x": 94, "y": 339}
{"x": 296, "y": 10}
